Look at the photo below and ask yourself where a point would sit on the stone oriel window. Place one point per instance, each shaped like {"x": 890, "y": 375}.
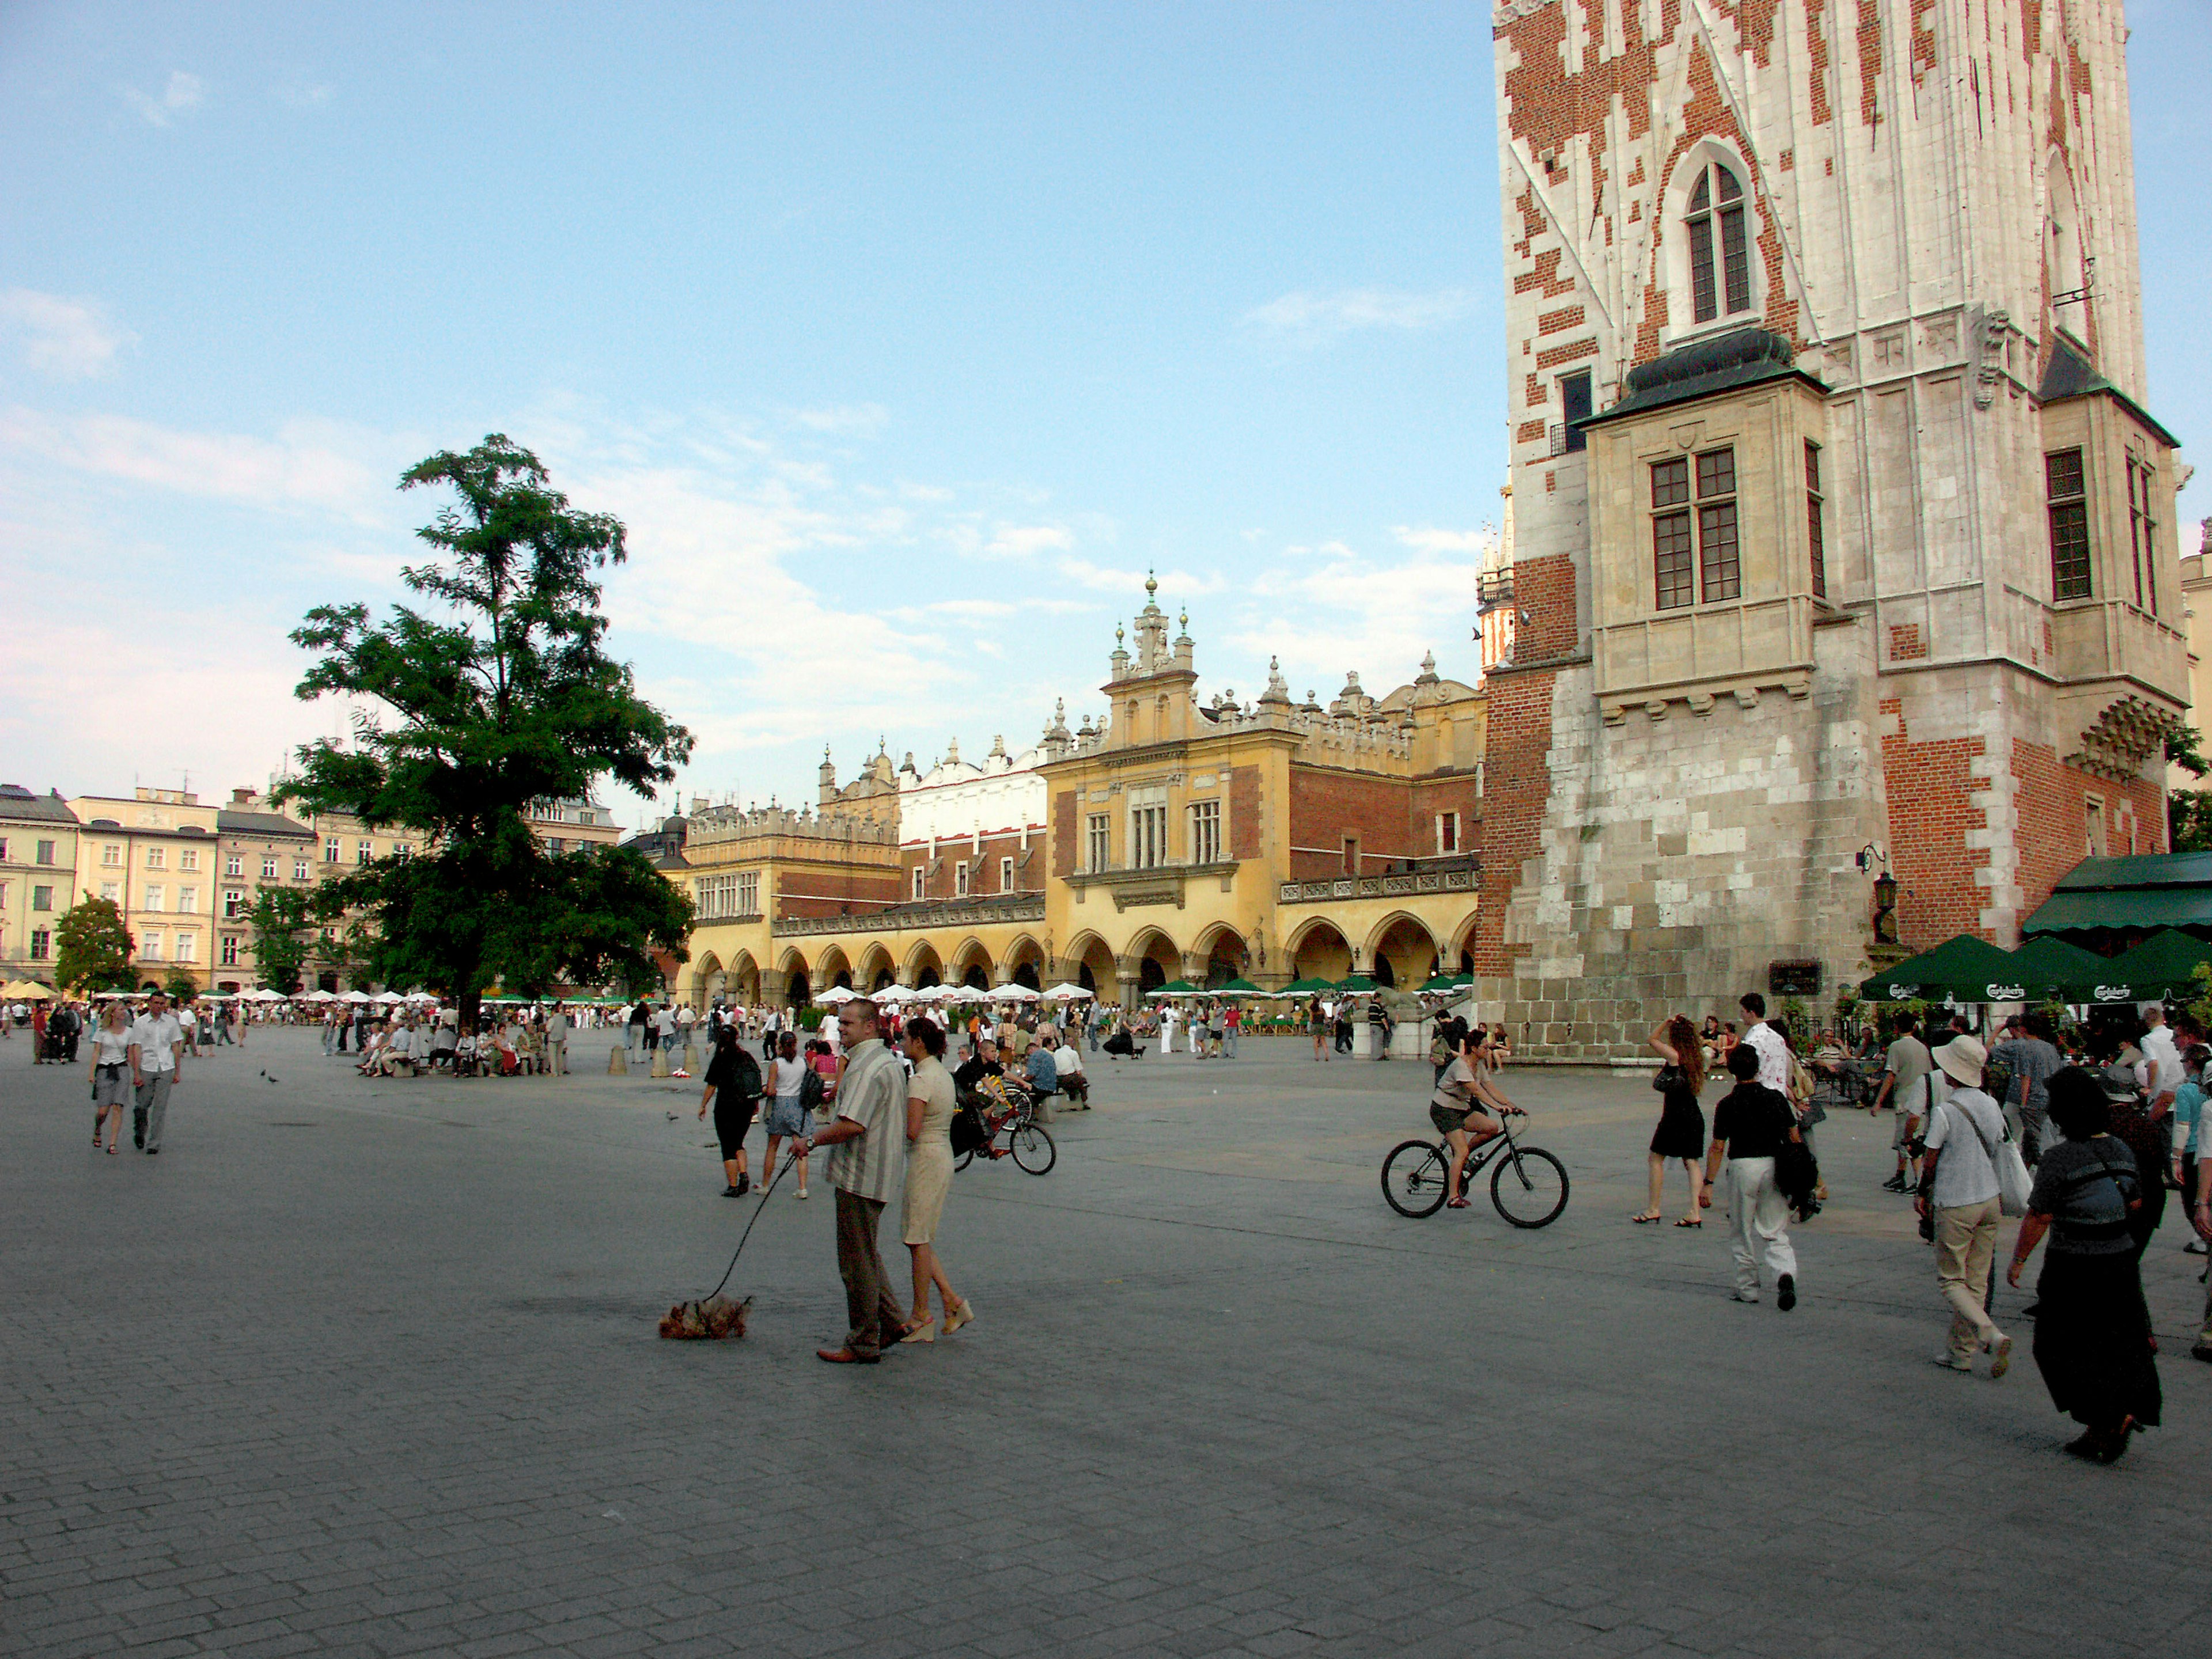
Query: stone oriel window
{"x": 2069, "y": 502}
{"x": 1101, "y": 839}
{"x": 1720, "y": 567}
{"x": 1670, "y": 533}
{"x": 1720, "y": 259}
{"x": 1816, "y": 537}
{"x": 2142, "y": 534}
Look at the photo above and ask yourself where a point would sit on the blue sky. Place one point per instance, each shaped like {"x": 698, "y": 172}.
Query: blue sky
{"x": 904, "y": 339}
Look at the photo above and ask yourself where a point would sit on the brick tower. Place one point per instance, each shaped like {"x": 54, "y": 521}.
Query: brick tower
{"x": 1841, "y": 527}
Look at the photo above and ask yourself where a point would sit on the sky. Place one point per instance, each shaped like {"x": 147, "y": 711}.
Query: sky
{"x": 904, "y": 339}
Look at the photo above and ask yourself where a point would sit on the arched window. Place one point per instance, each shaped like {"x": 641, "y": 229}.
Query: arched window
{"x": 1720, "y": 258}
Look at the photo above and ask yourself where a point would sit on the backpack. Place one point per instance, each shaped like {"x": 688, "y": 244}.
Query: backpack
{"x": 811, "y": 1090}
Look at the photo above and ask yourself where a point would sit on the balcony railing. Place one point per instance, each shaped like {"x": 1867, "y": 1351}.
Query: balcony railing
{"x": 929, "y": 913}
{"x": 1408, "y": 883}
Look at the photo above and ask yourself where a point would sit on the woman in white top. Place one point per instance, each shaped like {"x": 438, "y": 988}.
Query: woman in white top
{"x": 787, "y": 1113}
{"x": 929, "y": 1106}
{"x": 111, "y": 1071}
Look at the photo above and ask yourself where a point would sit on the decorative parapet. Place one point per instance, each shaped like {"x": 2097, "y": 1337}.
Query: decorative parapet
{"x": 2127, "y": 734}
{"x": 900, "y": 918}
{"x": 1409, "y": 884}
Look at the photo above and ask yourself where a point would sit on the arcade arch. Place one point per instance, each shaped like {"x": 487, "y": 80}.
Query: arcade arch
{"x": 1320, "y": 951}
{"x": 1400, "y": 951}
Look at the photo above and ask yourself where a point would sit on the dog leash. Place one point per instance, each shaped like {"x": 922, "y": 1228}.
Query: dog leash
{"x": 748, "y": 1232}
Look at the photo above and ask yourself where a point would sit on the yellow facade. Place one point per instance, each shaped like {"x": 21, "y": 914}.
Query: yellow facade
{"x": 38, "y": 878}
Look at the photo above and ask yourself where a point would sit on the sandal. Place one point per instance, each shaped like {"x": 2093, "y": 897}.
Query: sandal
{"x": 1454, "y": 1204}
{"x": 1686, "y": 1222}
{"x": 1647, "y": 1215}
{"x": 111, "y": 1148}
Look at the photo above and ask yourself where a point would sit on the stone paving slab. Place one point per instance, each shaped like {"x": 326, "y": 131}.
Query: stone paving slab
{"x": 370, "y": 1368}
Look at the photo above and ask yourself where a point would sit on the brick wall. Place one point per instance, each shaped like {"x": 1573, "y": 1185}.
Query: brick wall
{"x": 1243, "y": 812}
{"x": 1519, "y": 782}
{"x": 1545, "y": 588}
{"x": 830, "y": 892}
{"x": 940, "y": 882}
{"x": 1065, "y": 808}
{"x": 1326, "y": 806}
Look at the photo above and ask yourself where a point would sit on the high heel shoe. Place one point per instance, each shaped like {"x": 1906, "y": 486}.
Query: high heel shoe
{"x": 925, "y": 1332}
{"x": 962, "y": 1312}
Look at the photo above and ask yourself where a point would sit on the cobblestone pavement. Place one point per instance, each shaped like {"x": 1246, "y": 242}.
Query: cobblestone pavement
{"x": 371, "y": 1367}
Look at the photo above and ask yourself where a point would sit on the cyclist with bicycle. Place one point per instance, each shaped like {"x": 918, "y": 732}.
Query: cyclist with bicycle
{"x": 1467, "y": 1108}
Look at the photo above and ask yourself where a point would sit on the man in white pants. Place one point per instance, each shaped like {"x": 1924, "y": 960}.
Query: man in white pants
{"x": 1750, "y": 1125}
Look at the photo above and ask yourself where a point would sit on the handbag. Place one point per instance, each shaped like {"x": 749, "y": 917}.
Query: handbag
{"x": 967, "y": 1132}
{"x": 1670, "y": 1076}
{"x": 2013, "y": 1183}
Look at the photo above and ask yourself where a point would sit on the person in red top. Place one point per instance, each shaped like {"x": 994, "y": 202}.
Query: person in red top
{"x": 1232, "y": 1023}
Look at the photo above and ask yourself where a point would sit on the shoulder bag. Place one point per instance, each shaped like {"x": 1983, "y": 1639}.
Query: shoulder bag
{"x": 2013, "y": 1183}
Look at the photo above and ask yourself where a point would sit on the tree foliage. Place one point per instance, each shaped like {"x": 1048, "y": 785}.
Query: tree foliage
{"x": 180, "y": 986}
{"x": 2189, "y": 820}
{"x": 497, "y": 694}
{"x": 282, "y": 920}
{"x": 92, "y": 948}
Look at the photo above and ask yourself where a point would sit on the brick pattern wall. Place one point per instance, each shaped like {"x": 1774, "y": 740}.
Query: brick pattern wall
{"x": 1326, "y": 806}
{"x": 1932, "y": 820}
{"x": 828, "y": 892}
{"x": 940, "y": 882}
{"x": 1545, "y": 588}
{"x": 1519, "y": 782}
{"x": 1067, "y": 808}
{"x": 1244, "y": 812}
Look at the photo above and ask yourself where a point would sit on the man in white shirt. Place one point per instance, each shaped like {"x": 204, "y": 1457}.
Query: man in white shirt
{"x": 2162, "y": 1059}
{"x": 1067, "y": 1061}
{"x": 1167, "y": 1028}
{"x": 1766, "y": 1042}
{"x": 556, "y": 1039}
{"x": 1959, "y": 1193}
{"x": 157, "y": 1050}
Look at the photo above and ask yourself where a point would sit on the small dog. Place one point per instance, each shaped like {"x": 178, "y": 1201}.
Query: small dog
{"x": 717, "y": 1318}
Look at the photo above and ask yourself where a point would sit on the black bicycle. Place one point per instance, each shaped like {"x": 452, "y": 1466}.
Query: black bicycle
{"x": 1528, "y": 1185}
{"x": 1025, "y": 1140}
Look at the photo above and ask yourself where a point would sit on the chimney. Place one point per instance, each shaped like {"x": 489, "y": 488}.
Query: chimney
{"x": 241, "y": 798}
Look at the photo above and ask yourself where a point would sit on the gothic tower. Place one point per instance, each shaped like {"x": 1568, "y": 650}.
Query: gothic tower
{"x": 1842, "y": 534}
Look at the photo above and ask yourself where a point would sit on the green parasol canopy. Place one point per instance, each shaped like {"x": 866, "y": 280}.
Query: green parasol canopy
{"x": 2047, "y": 966}
{"x": 1306, "y": 987}
{"x": 1176, "y": 987}
{"x": 2163, "y": 965}
{"x": 1443, "y": 983}
{"x": 1237, "y": 987}
{"x": 1357, "y": 983}
{"x": 1961, "y": 969}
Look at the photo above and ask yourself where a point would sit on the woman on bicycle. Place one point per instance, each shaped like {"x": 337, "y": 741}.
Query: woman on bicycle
{"x": 1466, "y": 1109}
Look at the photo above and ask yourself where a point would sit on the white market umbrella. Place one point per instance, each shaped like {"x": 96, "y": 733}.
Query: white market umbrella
{"x": 836, "y": 996}
{"x": 1066, "y": 993}
{"x": 354, "y": 996}
{"x": 894, "y": 993}
{"x": 1014, "y": 993}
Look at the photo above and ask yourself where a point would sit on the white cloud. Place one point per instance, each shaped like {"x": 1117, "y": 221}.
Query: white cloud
{"x": 1020, "y": 541}
{"x": 1428, "y": 540}
{"x": 62, "y": 339}
{"x": 308, "y": 465}
{"x": 185, "y": 91}
{"x": 864, "y": 420}
{"x": 1310, "y": 319}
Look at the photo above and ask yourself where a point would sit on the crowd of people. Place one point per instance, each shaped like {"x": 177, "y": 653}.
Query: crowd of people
{"x": 2080, "y": 1134}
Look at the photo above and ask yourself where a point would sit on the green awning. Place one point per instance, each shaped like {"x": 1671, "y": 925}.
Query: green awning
{"x": 2163, "y": 966}
{"x": 1237, "y": 987}
{"x": 1357, "y": 984}
{"x": 1306, "y": 987}
{"x": 2049, "y": 969}
{"x": 2122, "y": 910}
{"x": 1439, "y": 982}
{"x": 1961, "y": 969}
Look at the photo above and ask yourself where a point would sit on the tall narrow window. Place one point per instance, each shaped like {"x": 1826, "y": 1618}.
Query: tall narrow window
{"x": 960, "y": 878}
{"x": 921, "y": 875}
{"x": 2093, "y": 815}
{"x": 1352, "y": 855}
{"x": 1575, "y": 405}
{"x": 1005, "y": 875}
{"x": 1206, "y": 832}
{"x": 1816, "y": 539}
{"x": 1447, "y": 832}
{"x": 1148, "y": 836}
{"x": 2066, "y": 492}
{"x": 749, "y": 893}
{"x": 2142, "y": 534}
{"x": 1720, "y": 570}
{"x": 1670, "y": 533}
{"x": 330, "y": 850}
{"x": 1101, "y": 841}
{"x": 1720, "y": 256}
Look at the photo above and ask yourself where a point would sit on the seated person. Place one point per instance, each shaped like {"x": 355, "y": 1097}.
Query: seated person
{"x": 1830, "y": 1056}
{"x": 1043, "y": 1075}
{"x": 464, "y": 1054}
{"x": 503, "y": 1047}
{"x": 983, "y": 1063}
{"x": 1067, "y": 1060}
{"x": 1122, "y": 1042}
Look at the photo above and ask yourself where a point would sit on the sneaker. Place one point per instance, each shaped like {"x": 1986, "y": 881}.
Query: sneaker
{"x": 732, "y": 1191}
{"x": 2000, "y": 1357}
{"x": 802, "y": 1192}
{"x": 1785, "y": 1292}
{"x": 1949, "y": 1364}
{"x": 1741, "y": 1296}
{"x": 744, "y": 1185}
{"x": 2195, "y": 1246}
{"x": 1894, "y": 1184}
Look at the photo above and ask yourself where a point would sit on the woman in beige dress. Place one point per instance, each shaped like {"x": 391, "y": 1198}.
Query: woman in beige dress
{"x": 928, "y": 1177}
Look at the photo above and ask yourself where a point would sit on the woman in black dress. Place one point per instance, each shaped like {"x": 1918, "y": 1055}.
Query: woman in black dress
{"x": 1682, "y": 1131}
{"x": 2092, "y": 1335}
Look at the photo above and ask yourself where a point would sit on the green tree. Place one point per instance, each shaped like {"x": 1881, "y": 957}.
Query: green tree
{"x": 497, "y": 695}
{"x": 282, "y": 922}
{"x": 180, "y": 986}
{"x": 2188, "y": 811}
{"x": 92, "y": 948}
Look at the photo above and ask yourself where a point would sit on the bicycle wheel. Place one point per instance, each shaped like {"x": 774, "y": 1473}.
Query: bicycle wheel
{"x": 1033, "y": 1149}
{"x": 1414, "y": 1176}
{"x": 1529, "y": 1187}
{"x": 964, "y": 1159}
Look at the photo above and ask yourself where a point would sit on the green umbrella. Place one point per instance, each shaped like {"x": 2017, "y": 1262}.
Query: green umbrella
{"x": 1961, "y": 969}
{"x": 2163, "y": 965}
{"x": 1176, "y": 987}
{"x": 1306, "y": 987}
{"x": 1443, "y": 983}
{"x": 1237, "y": 987}
{"x": 1357, "y": 983}
{"x": 2048, "y": 966}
